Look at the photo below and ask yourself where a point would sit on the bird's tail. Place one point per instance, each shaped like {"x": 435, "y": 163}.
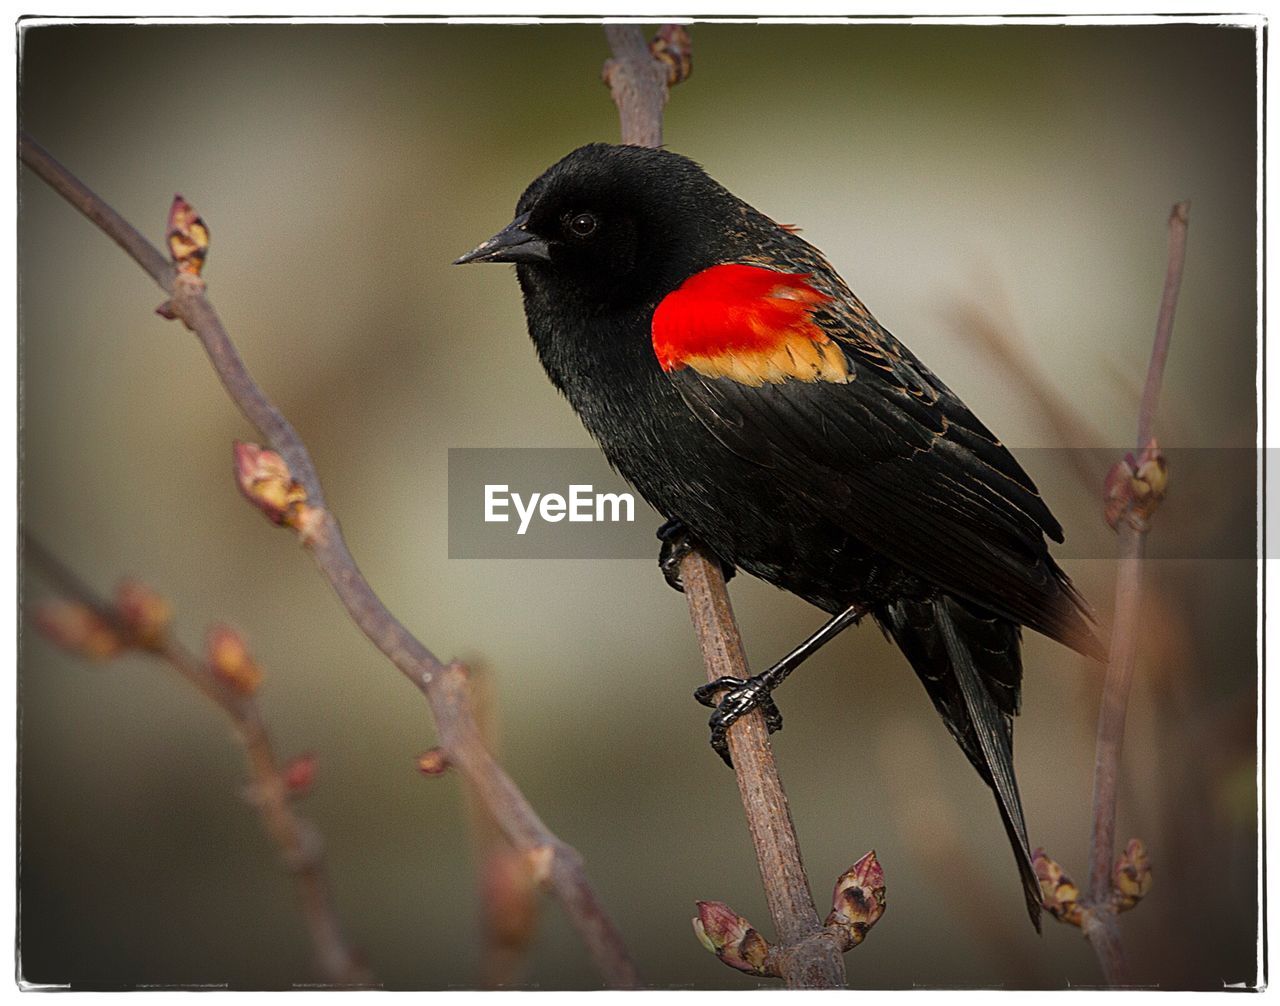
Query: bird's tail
{"x": 971, "y": 665}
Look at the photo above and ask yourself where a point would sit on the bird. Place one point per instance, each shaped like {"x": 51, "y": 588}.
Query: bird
{"x": 729, "y": 373}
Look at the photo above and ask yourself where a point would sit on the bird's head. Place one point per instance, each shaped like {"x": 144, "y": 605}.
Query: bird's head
{"x": 614, "y": 225}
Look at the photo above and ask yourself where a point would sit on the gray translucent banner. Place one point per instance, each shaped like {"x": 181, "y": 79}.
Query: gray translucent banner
{"x": 566, "y": 503}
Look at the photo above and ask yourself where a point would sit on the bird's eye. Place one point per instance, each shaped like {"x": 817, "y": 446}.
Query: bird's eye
{"x": 582, "y": 225}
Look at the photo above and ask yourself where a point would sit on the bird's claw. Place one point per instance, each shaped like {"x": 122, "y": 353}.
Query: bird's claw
{"x": 676, "y": 544}
{"x": 672, "y": 553}
{"x": 742, "y": 695}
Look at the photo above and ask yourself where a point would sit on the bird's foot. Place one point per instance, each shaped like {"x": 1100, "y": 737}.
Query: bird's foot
{"x": 677, "y": 542}
{"x": 742, "y": 695}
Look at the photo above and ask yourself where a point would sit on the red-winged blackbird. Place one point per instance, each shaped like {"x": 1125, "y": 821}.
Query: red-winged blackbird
{"x": 733, "y": 378}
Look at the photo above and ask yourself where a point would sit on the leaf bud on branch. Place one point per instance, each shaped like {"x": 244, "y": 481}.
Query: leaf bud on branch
{"x": 144, "y": 614}
{"x": 858, "y": 901}
{"x": 78, "y": 629}
{"x": 433, "y": 762}
{"x": 731, "y": 938}
{"x": 1058, "y": 892}
{"x": 1135, "y": 487}
{"x": 1132, "y": 876}
{"x": 229, "y": 659}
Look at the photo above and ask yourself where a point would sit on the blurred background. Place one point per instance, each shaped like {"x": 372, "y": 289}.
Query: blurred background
{"x": 962, "y": 178}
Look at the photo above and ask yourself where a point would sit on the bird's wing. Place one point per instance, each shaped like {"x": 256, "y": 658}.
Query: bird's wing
{"x": 862, "y": 431}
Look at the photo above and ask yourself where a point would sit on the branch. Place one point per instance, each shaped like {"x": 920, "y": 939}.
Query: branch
{"x": 107, "y": 220}
{"x": 508, "y": 895}
{"x": 809, "y": 956}
{"x": 443, "y": 685}
{"x": 140, "y": 621}
{"x": 1164, "y": 324}
{"x": 1134, "y": 490}
{"x": 639, "y": 82}
{"x": 815, "y": 961}
{"x": 1126, "y": 628}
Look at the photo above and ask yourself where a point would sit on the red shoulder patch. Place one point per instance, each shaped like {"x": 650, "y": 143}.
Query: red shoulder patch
{"x": 747, "y": 323}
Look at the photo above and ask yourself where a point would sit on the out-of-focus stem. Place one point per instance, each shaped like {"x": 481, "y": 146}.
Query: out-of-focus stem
{"x": 300, "y": 845}
{"x": 1100, "y": 915}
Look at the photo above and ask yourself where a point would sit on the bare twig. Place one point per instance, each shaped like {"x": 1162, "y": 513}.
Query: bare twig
{"x": 812, "y": 959}
{"x": 443, "y": 685}
{"x": 638, "y": 83}
{"x": 1164, "y": 324}
{"x": 111, "y": 223}
{"x": 508, "y": 895}
{"x": 808, "y": 956}
{"x": 1100, "y": 914}
{"x": 300, "y": 845}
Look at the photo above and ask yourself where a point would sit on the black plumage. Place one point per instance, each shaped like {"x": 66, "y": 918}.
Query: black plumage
{"x": 882, "y": 490}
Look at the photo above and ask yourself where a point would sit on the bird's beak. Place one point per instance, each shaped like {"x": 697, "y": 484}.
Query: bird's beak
{"x": 511, "y": 244}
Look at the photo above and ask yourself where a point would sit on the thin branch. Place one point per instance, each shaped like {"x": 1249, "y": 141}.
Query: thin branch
{"x": 1101, "y": 925}
{"x": 111, "y": 223}
{"x": 1164, "y": 325}
{"x": 300, "y": 845}
{"x": 443, "y": 685}
{"x": 810, "y": 957}
{"x": 638, "y": 83}
{"x": 508, "y": 897}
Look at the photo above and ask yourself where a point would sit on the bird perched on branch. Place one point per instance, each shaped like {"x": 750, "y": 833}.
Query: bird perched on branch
{"x": 733, "y": 378}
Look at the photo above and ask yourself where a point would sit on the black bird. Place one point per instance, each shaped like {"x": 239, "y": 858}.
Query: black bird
{"x": 732, "y": 377}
